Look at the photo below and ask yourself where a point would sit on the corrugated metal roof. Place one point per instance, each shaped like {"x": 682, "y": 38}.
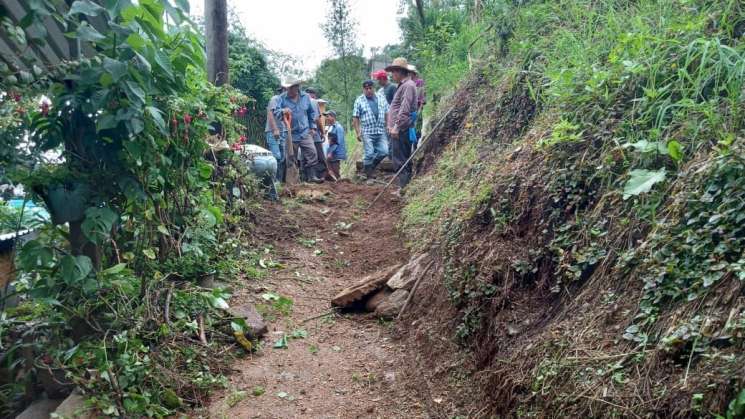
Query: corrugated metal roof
{"x": 43, "y": 50}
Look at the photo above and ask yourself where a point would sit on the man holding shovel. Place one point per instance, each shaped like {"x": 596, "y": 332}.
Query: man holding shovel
{"x": 297, "y": 107}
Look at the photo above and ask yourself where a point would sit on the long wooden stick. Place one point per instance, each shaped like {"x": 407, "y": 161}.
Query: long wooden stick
{"x": 413, "y": 289}
{"x": 411, "y": 157}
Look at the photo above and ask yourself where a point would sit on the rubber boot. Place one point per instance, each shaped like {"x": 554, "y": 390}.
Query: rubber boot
{"x": 314, "y": 173}
{"x": 369, "y": 172}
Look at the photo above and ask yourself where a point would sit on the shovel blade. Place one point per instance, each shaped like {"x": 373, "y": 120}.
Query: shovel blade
{"x": 292, "y": 176}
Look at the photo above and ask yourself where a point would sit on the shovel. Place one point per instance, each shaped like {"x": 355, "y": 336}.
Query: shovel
{"x": 292, "y": 172}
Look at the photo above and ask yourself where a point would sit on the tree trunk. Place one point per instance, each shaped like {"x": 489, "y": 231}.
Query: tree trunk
{"x": 216, "y": 28}
{"x": 420, "y": 12}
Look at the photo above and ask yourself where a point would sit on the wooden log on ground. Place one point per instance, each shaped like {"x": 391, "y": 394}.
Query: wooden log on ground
{"x": 363, "y": 288}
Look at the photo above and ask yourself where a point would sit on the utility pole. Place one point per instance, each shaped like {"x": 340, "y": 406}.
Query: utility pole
{"x": 216, "y": 28}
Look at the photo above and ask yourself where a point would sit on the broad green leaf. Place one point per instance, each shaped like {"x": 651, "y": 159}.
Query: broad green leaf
{"x": 136, "y": 41}
{"x": 106, "y": 121}
{"x": 675, "y": 150}
{"x": 106, "y": 79}
{"x": 75, "y": 268}
{"x": 114, "y": 269}
{"x": 98, "y": 224}
{"x": 157, "y": 116}
{"x": 163, "y": 230}
{"x": 149, "y": 253}
{"x": 218, "y": 302}
{"x": 641, "y": 181}
{"x": 135, "y": 92}
{"x": 205, "y": 170}
{"x": 138, "y": 125}
{"x": 88, "y": 33}
{"x": 116, "y": 68}
{"x": 85, "y": 7}
{"x": 239, "y": 325}
{"x": 217, "y": 213}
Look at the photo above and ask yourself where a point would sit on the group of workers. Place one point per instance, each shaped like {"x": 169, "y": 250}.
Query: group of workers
{"x": 384, "y": 120}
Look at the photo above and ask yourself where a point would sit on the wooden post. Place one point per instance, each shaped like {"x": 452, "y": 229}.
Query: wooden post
{"x": 216, "y": 28}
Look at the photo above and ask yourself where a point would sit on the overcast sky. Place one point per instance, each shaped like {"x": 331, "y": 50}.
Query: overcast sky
{"x": 292, "y": 26}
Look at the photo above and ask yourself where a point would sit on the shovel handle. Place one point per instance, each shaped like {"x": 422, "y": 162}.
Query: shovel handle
{"x": 288, "y": 122}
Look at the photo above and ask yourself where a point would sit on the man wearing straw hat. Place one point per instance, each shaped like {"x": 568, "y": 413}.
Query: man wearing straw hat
{"x": 304, "y": 118}
{"x": 399, "y": 118}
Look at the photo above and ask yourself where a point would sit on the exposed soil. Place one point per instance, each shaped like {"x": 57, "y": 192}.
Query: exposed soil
{"x": 349, "y": 365}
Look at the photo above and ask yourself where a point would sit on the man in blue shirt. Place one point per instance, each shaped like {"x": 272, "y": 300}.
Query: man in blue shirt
{"x": 337, "y": 144}
{"x": 304, "y": 118}
{"x": 369, "y": 120}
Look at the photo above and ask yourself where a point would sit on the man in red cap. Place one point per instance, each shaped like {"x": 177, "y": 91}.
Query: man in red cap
{"x": 387, "y": 89}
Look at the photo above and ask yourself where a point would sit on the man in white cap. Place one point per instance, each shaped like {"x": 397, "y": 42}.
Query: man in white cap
{"x": 399, "y": 118}
{"x": 304, "y": 125}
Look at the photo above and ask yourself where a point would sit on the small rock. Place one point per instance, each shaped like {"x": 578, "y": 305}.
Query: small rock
{"x": 74, "y": 407}
{"x": 392, "y": 305}
{"x": 405, "y": 277}
{"x": 376, "y": 299}
{"x": 512, "y": 330}
{"x": 389, "y": 377}
{"x": 39, "y": 409}
{"x": 253, "y": 319}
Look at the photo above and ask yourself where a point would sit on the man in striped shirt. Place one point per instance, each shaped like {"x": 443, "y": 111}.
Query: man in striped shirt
{"x": 370, "y": 117}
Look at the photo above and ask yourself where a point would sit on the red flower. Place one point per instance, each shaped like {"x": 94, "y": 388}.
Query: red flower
{"x": 17, "y": 97}
{"x": 236, "y": 146}
{"x": 242, "y": 139}
{"x": 187, "y": 119}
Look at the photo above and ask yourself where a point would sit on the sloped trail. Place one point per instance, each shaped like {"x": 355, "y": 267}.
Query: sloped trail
{"x": 349, "y": 365}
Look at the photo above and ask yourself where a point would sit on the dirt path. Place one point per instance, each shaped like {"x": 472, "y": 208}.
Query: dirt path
{"x": 336, "y": 366}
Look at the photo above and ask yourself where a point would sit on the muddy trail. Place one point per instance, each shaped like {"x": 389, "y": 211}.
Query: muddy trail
{"x": 313, "y": 361}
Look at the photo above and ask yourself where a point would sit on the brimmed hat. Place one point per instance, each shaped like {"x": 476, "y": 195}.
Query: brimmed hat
{"x": 291, "y": 81}
{"x": 332, "y": 113}
{"x": 368, "y": 83}
{"x": 322, "y": 101}
{"x": 412, "y": 68}
{"x": 399, "y": 63}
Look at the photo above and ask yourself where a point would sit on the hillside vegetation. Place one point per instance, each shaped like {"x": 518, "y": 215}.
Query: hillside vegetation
{"x": 585, "y": 196}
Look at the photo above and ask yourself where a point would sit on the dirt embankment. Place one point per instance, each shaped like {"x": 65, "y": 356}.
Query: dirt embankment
{"x": 523, "y": 315}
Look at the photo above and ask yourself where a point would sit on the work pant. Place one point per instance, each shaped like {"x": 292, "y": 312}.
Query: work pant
{"x": 400, "y": 152}
{"x": 278, "y": 148}
{"x": 319, "y": 152}
{"x": 304, "y": 145}
{"x": 376, "y": 149}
